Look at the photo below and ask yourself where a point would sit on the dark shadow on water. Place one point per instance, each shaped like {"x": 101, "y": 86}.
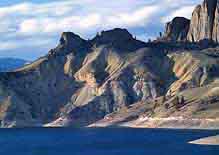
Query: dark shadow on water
{"x": 104, "y": 141}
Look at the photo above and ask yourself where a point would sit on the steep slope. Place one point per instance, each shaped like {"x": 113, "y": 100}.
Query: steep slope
{"x": 191, "y": 101}
{"x": 114, "y": 78}
{"x": 193, "y": 69}
{"x": 43, "y": 85}
{"x": 84, "y": 80}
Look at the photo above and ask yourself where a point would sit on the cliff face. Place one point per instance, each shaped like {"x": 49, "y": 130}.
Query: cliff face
{"x": 216, "y": 24}
{"x": 202, "y": 26}
{"x": 203, "y": 21}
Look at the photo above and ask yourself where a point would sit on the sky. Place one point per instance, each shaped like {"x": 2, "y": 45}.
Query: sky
{"x": 29, "y": 28}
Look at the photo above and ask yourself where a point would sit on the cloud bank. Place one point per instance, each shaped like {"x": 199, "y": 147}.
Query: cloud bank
{"x": 28, "y": 30}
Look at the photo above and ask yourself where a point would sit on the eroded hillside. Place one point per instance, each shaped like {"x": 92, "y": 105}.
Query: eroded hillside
{"x": 115, "y": 79}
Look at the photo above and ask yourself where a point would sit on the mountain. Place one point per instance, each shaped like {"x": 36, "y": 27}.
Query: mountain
{"x": 114, "y": 79}
{"x": 9, "y": 64}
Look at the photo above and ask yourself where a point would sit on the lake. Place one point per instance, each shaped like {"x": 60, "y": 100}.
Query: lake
{"x": 103, "y": 141}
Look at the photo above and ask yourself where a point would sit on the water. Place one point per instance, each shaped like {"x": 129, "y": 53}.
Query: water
{"x": 68, "y": 141}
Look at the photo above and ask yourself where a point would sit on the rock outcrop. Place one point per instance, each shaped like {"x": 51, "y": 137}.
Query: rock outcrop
{"x": 216, "y": 24}
{"x": 203, "y": 22}
{"x": 203, "y": 26}
{"x": 177, "y": 29}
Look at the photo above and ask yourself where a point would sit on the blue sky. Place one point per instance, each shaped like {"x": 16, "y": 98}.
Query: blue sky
{"x": 28, "y": 29}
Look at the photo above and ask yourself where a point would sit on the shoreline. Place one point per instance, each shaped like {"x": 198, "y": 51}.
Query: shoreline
{"x": 167, "y": 123}
{"x": 141, "y": 122}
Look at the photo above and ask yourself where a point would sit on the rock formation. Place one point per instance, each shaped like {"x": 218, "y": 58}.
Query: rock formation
{"x": 203, "y": 22}
{"x": 203, "y": 25}
{"x": 215, "y": 35}
{"x": 177, "y": 29}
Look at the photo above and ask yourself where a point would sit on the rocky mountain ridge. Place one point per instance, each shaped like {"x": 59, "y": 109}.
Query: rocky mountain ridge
{"x": 115, "y": 77}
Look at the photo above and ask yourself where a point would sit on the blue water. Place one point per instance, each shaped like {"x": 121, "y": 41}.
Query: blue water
{"x": 124, "y": 141}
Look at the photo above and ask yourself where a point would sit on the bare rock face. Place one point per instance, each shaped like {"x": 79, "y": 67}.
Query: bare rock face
{"x": 145, "y": 90}
{"x": 203, "y": 21}
{"x": 119, "y": 95}
{"x": 193, "y": 70}
{"x": 203, "y": 26}
{"x": 177, "y": 29}
{"x": 215, "y": 35}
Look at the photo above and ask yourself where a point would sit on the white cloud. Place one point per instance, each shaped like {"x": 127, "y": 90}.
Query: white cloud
{"x": 139, "y": 17}
{"x": 29, "y": 25}
{"x": 43, "y": 21}
{"x": 14, "y": 44}
{"x": 81, "y": 23}
{"x": 52, "y": 25}
{"x": 181, "y": 12}
{"x": 89, "y": 21}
